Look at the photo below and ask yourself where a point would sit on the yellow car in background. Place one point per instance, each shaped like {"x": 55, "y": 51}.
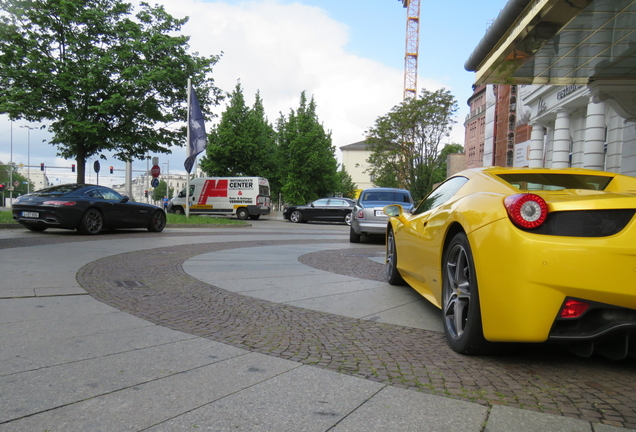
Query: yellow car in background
{"x": 524, "y": 255}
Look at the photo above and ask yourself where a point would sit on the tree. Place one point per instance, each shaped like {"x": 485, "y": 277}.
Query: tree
{"x": 162, "y": 190}
{"x": 243, "y": 142}
{"x": 106, "y": 82}
{"x": 306, "y": 156}
{"x": 344, "y": 183}
{"x": 405, "y": 142}
{"x": 10, "y": 173}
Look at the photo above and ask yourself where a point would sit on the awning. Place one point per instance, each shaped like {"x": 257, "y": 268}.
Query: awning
{"x": 558, "y": 42}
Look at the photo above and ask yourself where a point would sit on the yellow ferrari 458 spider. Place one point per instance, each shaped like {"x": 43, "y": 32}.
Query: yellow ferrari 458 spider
{"x": 524, "y": 255}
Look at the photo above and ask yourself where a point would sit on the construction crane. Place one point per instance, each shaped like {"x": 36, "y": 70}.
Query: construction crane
{"x": 412, "y": 47}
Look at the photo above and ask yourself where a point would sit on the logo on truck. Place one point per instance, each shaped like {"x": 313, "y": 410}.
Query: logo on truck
{"x": 213, "y": 189}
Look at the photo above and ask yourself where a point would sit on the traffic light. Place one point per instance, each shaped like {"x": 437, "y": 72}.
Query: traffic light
{"x": 146, "y": 194}
{"x": 73, "y": 167}
{"x": 41, "y": 167}
{"x": 111, "y": 170}
{"x": 1, "y": 188}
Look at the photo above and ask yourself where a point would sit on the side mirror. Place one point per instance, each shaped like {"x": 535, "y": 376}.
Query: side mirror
{"x": 394, "y": 210}
{"x": 125, "y": 199}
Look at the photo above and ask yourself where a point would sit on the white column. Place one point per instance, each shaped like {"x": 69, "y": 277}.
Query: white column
{"x": 594, "y": 152}
{"x": 536, "y": 146}
{"x": 562, "y": 141}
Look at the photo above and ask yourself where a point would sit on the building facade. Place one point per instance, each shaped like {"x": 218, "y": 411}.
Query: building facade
{"x": 475, "y": 128}
{"x": 573, "y": 65}
{"x": 354, "y": 160}
{"x": 570, "y": 129}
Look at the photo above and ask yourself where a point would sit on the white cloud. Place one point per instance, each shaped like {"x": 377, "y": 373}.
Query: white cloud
{"x": 283, "y": 50}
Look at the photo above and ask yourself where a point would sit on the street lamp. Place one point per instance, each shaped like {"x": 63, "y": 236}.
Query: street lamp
{"x": 29, "y": 128}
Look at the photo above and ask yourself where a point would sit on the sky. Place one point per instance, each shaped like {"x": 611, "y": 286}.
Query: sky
{"x": 346, "y": 54}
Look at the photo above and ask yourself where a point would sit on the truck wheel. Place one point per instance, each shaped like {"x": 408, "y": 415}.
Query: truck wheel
{"x": 179, "y": 210}
{"x": 242, "y": 214}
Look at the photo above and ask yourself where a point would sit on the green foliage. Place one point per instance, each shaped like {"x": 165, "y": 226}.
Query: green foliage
{"x": 243, "y": 142}
{"x": 344, "y": 183}
{"x": 175, "y": 219}
{"x": 405, "y": 142}
{"x": 10, "y": 173}
{"x": 306, "y": 157}
{"x": 162, "y": 190}
{"x": 105, "y": 81}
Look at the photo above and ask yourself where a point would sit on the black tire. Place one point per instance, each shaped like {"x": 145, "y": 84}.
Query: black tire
{"x": 296, "y": 216}
{"x": 353, "y": 237}
{"x": 242, "y": 213}
{"x": 255, "y": 217}
{"x": 178, "y": 210}
{"x": 460, "y": 299}
{"x": 157, "y": 221}
{"x": 348, "y": 218}
{"x": 393, "y": 276}
{"x": 92, "y": 222}
{"x": 36, "y": 228}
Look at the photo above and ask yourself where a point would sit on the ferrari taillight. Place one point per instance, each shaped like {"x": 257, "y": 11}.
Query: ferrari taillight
{"x": 526, "y": 210}
{"x": 573, "y": 308}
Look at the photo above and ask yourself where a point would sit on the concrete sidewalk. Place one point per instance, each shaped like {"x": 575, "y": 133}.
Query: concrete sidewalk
{"x": 71, "y": 363}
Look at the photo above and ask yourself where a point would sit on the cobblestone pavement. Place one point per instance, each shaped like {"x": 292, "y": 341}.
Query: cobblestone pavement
{"x": 535, "y": 377}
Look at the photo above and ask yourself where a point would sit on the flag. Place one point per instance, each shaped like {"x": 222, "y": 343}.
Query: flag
{"x": 196, "y": 129}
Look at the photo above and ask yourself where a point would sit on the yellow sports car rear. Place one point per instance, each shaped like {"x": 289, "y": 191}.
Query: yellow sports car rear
{"x": 524, "y": 255}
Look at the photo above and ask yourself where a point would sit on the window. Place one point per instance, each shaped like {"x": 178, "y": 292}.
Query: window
{"x": 439, "y": 196}
{"x": 547, "y": 181}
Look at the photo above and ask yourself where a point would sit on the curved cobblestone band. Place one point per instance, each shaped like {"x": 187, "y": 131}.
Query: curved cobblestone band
{"x": 152, "y": 285}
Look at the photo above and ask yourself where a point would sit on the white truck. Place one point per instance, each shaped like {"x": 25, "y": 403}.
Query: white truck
{"x": 245, "y": 197}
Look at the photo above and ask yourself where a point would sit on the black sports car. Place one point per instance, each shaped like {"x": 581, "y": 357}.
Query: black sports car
{"x": 87, "y": 208}
{"x": 324, "y": 209}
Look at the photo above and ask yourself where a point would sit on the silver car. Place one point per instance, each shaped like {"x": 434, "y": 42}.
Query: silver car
{"x": 368, "y": 217}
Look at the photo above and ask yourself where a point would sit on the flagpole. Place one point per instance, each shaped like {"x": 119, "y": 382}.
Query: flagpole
{"x": 187, "y": 206}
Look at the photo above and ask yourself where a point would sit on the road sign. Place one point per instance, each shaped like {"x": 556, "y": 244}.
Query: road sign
{"x": 155, "y": 171}
{"x": 96, "y": 166}
{"x": 154, "y": 183}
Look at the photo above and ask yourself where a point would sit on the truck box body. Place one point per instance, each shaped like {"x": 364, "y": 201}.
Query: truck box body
{"x": 241, "y": 196}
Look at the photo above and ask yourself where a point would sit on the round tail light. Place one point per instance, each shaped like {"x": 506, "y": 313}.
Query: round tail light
{"x": 526, "y": 210}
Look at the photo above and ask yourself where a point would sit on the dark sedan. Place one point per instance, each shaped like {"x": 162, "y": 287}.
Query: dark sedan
{"x": 324, "y": 209}
{"x": 87, "y": 208}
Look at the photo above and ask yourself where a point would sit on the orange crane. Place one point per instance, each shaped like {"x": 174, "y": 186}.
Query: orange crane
{"x": 412, "y": 46}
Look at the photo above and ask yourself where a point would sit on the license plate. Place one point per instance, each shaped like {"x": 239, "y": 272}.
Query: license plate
{"x": 379, "y": 213}
{"x": 30, "y": 214}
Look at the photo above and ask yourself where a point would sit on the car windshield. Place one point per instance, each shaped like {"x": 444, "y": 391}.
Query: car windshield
{"x": 388, "y": 196}
{"x": 59, "y": 190}
{"x": 548, "y": 181}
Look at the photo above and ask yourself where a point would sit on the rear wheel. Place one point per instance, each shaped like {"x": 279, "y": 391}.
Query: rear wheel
{"x": 353, "y": 237}
{"x": 157, "y": 221}
{"x": 242, "y": 213}
{"x": 393, "y": 276}
{"x": 296, "y": 216}
{"x": 92, "y": 222}
{"x": 347, "y": 218}
{"x": 462, "y": 314}
{"x": 178, "y": 210}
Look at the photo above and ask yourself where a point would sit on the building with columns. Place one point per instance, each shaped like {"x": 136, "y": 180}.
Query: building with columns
{"x": 572, "y": 62}
{"x": 570, "y": 129}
